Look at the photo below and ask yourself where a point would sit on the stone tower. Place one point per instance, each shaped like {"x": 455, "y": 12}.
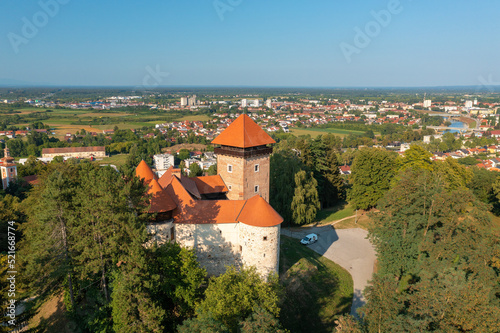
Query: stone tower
{"x": 243, "y": 159}
{"x": 8, "y": 169}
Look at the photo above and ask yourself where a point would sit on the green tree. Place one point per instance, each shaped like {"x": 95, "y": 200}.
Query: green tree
{"x": 46, "y": 249}
{"x": 103, "y": 208}
{"x": 261, "y": 321}
{"x": 372, "y": 172}
{"x": 177, "y": 280}
{"x": 454, "y": 174}
{"x": 482, "y": 185}
{"x": 305, "y": 202}
{"x": 284, "y": 165}
{"x": 183, "y": 154}
{"x": 415, "y": 157}
{"x": 195, "y": 170}
{"x": 232, "y": 297}
{"x": 10, "y": 210}
{"x": 212, "y": 170}
{"x": 437, "y": 260}
{"x": 202, "y": 323}
{"x": 133, "y": 306}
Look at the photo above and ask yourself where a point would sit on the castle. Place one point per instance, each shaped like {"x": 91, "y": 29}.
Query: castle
{"x": 225, "y": 218}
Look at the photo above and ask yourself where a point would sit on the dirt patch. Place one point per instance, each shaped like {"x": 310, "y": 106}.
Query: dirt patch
{"x": 188, "y": 146}
{"x": 51, "y": 317}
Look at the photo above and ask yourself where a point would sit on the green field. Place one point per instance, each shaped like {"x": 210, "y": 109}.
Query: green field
{"x": 200, "y": 117}
{"x": 117, "y": 160}
{"x": 317, "y": 290}
{"x": 70, "y": 120}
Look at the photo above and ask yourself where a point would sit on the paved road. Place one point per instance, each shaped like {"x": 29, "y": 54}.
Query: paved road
{"x": 347, "y": 247}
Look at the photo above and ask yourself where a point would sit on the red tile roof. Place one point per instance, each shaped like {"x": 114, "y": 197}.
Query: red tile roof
{"x": 243, "y": 133}
{"x": 160, "y": 200}
{"x": 257, "y": 212}
{"x": 143, "y": 171}
{"x": 166, "y": 178}
{"x": 210, "y": 184}
{"x": 72, "y": 150}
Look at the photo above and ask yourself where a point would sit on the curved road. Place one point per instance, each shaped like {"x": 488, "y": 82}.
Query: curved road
{"x": 347, "y": 247}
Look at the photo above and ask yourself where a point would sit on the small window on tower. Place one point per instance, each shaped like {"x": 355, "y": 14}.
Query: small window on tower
{"x": 265, "y": 238}
{"x": 229, "y": 168}
{"x": 256, "y": 188}
{"x": 256, "y": 168}
{"x": 229, "y": 187}
{"x": 241, "y": 248}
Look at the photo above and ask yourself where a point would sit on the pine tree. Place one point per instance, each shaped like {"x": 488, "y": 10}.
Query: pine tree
{"x": 106, "y": 221}
{"x": 47, "y": 247}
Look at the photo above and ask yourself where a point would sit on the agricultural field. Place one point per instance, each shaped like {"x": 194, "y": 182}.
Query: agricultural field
{"x": 64, "y": 121}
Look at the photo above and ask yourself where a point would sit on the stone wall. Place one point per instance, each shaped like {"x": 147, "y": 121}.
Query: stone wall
{"x": 258, "y": 178}
{"x": 216, "y": 245}
{"x": 243, "y": 178}
{"x": 233, "y": 179}
{"x": 159, "y": 233}
{"x": 260, "y": 247}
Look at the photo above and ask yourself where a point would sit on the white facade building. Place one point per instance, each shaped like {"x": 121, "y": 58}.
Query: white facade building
{"x": 163, "y": 161}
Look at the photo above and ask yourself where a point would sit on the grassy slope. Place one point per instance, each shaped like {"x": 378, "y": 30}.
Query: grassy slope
{"x": 317, "y": 289}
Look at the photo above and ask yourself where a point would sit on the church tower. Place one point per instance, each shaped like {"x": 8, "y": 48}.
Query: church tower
{"x": 8, "y": 169}
{"x": 243, "y": 159}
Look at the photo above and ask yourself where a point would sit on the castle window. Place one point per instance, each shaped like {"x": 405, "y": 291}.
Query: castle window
{"x": 229, "y": 168}
{"x": 256, "y": 188}
{"x": 265, "y": 238}
{"x": 264, "y": 255}
{"x": 241, "y": 248}
{"x": 229, "y": 187}
{"x": 256, "y": 168}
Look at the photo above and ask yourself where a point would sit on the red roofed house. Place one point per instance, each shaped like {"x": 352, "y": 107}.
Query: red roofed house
{"x": 226, "y": 218}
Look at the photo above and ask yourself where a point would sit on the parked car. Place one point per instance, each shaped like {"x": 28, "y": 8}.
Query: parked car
{"x": 309, "y": 239}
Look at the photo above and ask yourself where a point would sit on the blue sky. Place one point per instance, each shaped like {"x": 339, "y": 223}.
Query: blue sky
{"x": 250, "y": 43}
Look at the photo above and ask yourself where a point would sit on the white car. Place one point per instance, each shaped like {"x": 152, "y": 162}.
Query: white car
{"x": 309, "y": 239}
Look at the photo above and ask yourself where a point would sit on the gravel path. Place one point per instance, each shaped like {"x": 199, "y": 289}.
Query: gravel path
{"x": 347, "y": 247}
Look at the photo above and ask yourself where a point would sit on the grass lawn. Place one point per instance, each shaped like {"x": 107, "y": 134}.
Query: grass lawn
{"x": 199, "y": 117}
{"x": 302, "y": 131}
{"x": 317, "y": 290}
{"x": 117, "y": 160}
{"x": 340, "y": 211}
